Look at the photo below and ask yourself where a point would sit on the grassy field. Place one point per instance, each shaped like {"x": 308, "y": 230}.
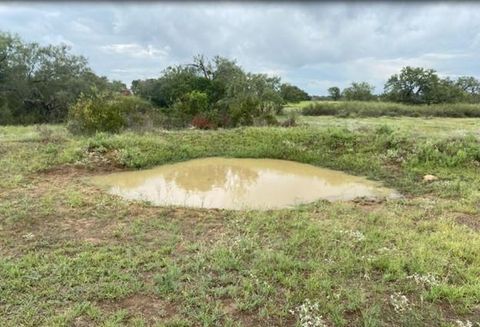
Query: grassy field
{"x": 299, "y": 105}
{"x": 71, "y": 255}
{"x": 416, "y": 127}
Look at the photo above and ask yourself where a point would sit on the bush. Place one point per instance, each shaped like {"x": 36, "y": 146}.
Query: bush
{"x": 192, "y": 104}
{"x": 6, "y": 116}
{"x": 106, "y": 112}
{"x": 202, "y": 122}
{"x": 291, "y": 121}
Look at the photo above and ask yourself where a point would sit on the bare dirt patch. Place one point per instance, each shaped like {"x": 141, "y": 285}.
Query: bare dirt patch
{"x": 149, "y": 307}
{"x": 472, "y": 222}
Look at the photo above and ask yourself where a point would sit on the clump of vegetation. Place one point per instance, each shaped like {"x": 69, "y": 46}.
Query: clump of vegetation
{"x": 291, "y": 119}
{"x": 377, "y": 109}
{"x": 214, "y": 93}
{"x": 108, "y": 112}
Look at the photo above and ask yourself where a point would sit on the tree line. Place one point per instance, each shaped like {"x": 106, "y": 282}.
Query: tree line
{"x": 39, "y": 84}
{"x": 416, "y": 86}
{"x": 49, "y": 84}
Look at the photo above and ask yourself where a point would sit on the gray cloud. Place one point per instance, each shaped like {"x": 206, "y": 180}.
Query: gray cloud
{"x": 313, "y": 45}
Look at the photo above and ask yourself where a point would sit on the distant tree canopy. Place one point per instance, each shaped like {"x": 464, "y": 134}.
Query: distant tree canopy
{"x": 416, "y": 85}
{"x": 334, "y": 93}
{"x": 292, "y": 93}
{"x": 469, "y": 85}
{"x": 39, "y": 83}
{"x": 359, "y": 92}
{"x": 217, "y": 89}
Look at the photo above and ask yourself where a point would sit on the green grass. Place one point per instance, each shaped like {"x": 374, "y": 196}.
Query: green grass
{"x": 416, "y": 127}
{"x": 72, "y": 255}
{"x": 298, "y": 105}
{"x": 377, "y": 109}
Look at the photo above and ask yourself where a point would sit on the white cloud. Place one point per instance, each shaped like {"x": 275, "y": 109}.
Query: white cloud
{"x": 136, "y": 50}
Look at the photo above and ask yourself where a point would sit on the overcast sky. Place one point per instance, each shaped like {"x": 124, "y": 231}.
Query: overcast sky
{"x": 312, "y": 45}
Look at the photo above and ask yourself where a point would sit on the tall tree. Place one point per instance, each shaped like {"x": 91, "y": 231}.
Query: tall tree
{"x": 334, "y": 93}
{"x": 292, "y": 93}
{"x": 417, "y": 85}
{"x": 231, "y": 92}
{"x": 359, "y": 91}
{"x": 470, "y": 86}
{"x": 39, "y": 83}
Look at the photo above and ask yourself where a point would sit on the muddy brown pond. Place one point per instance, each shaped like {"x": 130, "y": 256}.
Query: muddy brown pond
{"x": 239, "y": 184}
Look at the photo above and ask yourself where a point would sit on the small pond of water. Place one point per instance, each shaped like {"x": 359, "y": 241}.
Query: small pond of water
{"x": 239, "y": 184}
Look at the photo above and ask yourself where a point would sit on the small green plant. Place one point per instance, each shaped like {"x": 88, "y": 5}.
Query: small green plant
{"x": 45, "y": 133}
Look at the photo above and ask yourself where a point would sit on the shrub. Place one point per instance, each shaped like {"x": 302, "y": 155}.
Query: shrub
{"x": 106, "y": 112}
{"x": 202, "y": 122}
{"x": 5, "y": 114}
{"x": 291, "y": 121}
{"x": 192, "y": 103}
{"x": 137, "y": 113}
{"x": 46, "y": 134}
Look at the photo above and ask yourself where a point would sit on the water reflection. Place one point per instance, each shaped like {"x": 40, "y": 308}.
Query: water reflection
{"x": 239, "y": 184}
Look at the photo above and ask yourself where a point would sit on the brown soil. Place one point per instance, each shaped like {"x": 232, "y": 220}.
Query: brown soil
{"x": 472, "y": 222}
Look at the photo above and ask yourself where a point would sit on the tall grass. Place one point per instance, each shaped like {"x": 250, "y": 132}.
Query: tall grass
{"x": 377, "y": 109}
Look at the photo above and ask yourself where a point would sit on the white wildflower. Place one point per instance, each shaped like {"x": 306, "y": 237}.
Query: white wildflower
{"x": 427, "y": 279}
{"x": 354, "y": 234}
{"x": 309, "y": 314}
{"x": 386, "y": 249}
{"x": 28, "y": 236}
{"x": 399, "y": 302}
{"x": 467, "y": 323}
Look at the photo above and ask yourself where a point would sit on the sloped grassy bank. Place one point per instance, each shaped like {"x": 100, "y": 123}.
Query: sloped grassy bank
{"x": 71, "y": 255}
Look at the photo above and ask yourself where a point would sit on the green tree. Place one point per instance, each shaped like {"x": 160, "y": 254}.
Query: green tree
{"x": 38, "y": 84}
{"x": 334, "y": 93}
{"x": 232, "y": 95}
{"x": 292, "y": 93}
{"x": 469, "y": 84}
{"x": 359, "y": 92}
{"x": 470, "y": 87}
{"x": 175, "y": 82}
{"x": 447, "y": 91}
{"x": 416, "y": 85}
